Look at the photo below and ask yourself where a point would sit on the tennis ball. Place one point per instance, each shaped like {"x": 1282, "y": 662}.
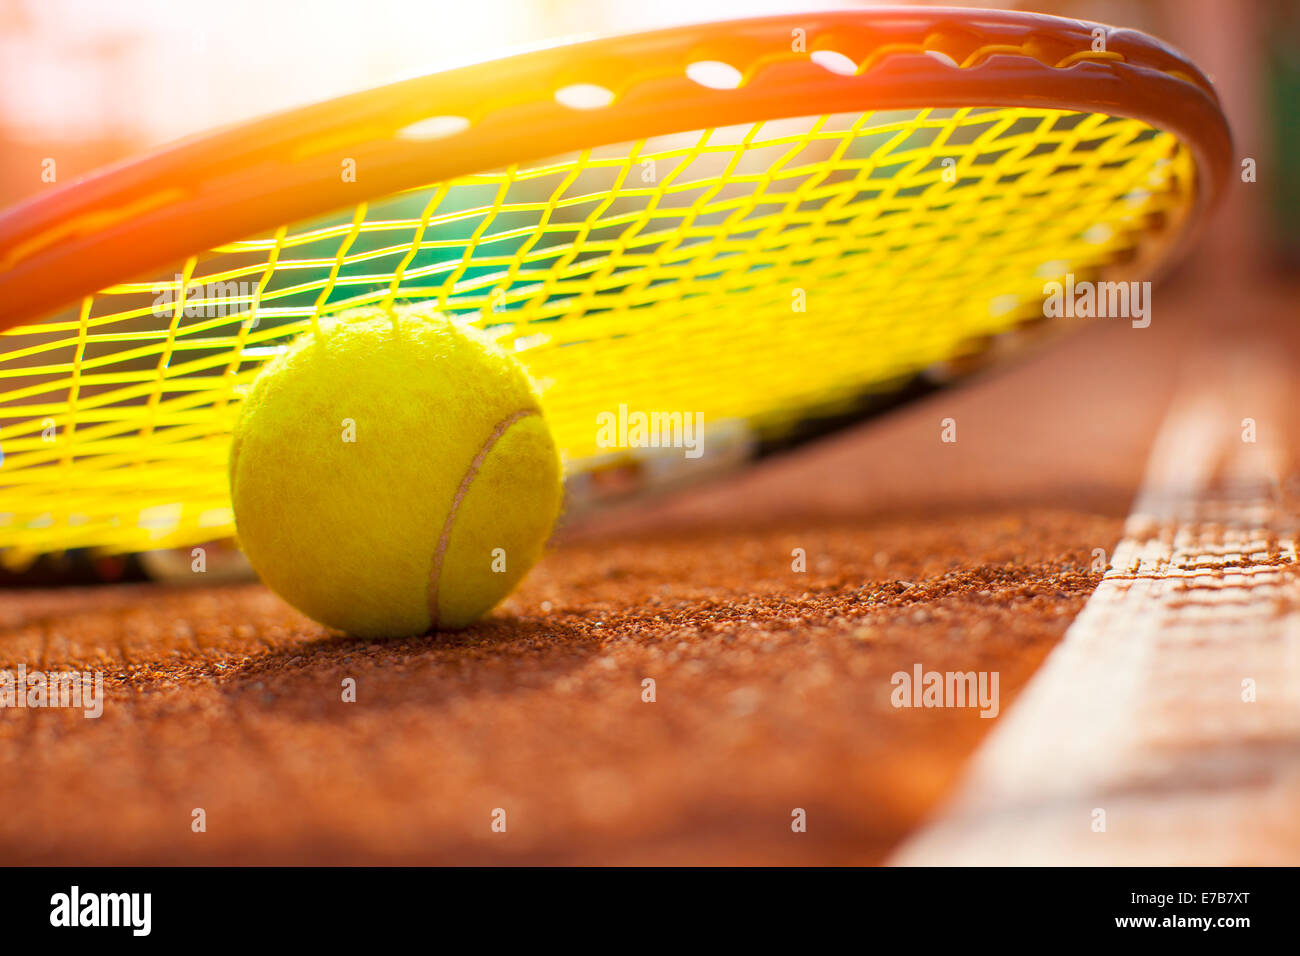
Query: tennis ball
{"x": 392, "y": 473}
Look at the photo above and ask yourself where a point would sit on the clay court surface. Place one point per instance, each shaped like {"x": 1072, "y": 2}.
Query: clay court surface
{"x": 772, "y": 686}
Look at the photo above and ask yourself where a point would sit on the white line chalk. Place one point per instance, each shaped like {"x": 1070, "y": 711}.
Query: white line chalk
{"x": 1138, "y": 718}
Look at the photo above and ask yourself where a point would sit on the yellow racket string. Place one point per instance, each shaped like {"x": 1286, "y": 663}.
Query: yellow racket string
{"x": 763, "y": 273}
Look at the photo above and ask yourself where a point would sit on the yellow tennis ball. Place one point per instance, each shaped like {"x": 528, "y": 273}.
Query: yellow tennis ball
{"x": 393, "y": 473}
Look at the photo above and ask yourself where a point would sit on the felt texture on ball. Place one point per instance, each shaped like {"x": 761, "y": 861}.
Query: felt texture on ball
{"x": 393, "y": 473}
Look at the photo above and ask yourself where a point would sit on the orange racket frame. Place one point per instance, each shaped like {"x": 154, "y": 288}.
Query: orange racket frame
{"x": 147, "y": 213}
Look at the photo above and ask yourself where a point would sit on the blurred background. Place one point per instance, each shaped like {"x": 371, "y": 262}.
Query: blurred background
{"x": 86, "y": 83}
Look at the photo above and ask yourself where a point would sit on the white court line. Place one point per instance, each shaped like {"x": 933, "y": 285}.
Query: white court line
{"x": 1138, "y": 714}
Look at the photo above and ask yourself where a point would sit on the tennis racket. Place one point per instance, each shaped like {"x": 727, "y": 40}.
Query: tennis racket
{"x": 778, "y": 225}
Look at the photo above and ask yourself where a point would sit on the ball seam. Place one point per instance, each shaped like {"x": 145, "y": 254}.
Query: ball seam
{"x": 466, "y": 481}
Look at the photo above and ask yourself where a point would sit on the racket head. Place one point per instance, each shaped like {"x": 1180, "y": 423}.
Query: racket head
{"x": 147, "y": 213}
{"x": 514, "y": 194}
